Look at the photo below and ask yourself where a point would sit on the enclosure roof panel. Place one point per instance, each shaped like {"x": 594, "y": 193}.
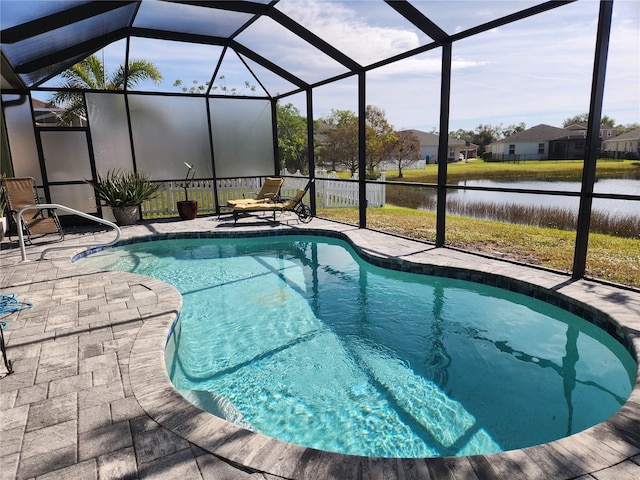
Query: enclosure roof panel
{"x": 190, "y": 19}
{"x": 468, "y": 13}
{"x": 304, "y": 42}
{"x": 346, "y": 24}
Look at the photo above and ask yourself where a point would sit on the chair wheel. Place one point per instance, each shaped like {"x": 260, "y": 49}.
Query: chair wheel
{"x": 304, "y": 213}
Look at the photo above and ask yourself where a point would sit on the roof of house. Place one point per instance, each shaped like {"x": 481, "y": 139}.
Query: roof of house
{"x": 632, "y": 135}
{"x": 583, "y": 126}
{"x": 540, "y": 133}
{"x": 39, "y": 104}
{"x": 428, "y": 139}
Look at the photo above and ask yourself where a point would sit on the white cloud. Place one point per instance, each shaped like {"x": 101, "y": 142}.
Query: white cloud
{"x": 344, "y": 25}
{"x": 537, "y": 70}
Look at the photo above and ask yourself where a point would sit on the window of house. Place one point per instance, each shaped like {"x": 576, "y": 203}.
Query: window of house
{"x": 512, "y": 149}
{"x": 541, "y": 148}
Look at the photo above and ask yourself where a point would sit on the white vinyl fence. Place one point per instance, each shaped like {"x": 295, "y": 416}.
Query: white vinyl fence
{"x": 334, "y": 193}
{"x": 330, "y": 193}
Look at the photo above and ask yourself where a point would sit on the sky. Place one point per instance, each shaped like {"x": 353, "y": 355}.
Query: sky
{"x": 533, "y": 71}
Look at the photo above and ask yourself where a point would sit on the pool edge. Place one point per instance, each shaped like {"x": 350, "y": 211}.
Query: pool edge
{"x": 579, "y": 454}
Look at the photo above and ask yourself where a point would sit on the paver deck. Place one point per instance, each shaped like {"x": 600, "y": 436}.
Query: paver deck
{"x": 90, "y": 396}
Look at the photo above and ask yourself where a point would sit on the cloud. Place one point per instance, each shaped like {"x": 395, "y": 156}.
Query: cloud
{"x": 345, "y": 26}
{"x": 537, "y": 70}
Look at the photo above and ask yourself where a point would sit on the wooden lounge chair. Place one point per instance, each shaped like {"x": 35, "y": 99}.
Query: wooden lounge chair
{"x": 268, "y": 193}
{"x": 280, "y": 205}
{"x": 20, "y": 192}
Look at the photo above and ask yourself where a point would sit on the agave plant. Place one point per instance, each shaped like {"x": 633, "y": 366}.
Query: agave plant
{"x": 120, "y": 189}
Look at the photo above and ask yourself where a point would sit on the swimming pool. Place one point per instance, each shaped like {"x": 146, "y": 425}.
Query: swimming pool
{"x": 450, "y": 381}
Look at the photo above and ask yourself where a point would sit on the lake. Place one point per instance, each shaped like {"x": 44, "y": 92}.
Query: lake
{"x": 622, "y": 186}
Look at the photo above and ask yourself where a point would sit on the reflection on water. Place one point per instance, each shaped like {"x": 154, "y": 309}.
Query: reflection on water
{"x": 614, "y": 207}
{"x": 307, "y": 343}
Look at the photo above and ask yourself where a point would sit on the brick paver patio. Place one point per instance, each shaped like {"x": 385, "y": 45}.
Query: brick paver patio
{"x": 90, "y": 398}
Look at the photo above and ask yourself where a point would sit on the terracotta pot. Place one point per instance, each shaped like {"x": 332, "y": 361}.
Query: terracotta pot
{"x": 126, "y": 215}
{"x": 187, "y": 209}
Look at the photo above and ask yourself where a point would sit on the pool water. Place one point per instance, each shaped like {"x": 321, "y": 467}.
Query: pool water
{"x": 300, "y": 339}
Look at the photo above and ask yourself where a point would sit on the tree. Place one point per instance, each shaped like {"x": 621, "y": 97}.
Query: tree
{"x": 338, "y": 140}
{"x": 513, "y": 129}
{"x": 90, "y": 74}
{"x": 608, "y": 121}
{"x": 196, "y": 86}
{"x": 407, "y": 150}
{"x": 485, "y": 134}
{"x": 382, "y": 141}
{"x": 620, "y": 129}
{"x": 203, "y": 87}
{"x": 584, "y": 118}
{"x": 292, "y": 138}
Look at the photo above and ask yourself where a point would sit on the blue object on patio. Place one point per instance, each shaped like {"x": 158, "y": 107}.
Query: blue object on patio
{"x": 9, "y": 304}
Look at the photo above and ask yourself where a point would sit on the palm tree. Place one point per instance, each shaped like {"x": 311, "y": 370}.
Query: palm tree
{"x": 90, "y": 74}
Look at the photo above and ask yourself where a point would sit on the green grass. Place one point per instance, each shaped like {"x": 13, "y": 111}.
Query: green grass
{"x": 535, "y": 215}
{"x": 610, "y": 258}
{"x": 567, "y": 170}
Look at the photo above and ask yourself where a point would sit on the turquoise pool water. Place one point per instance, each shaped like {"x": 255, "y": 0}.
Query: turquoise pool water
{"x": 300, "y": 339}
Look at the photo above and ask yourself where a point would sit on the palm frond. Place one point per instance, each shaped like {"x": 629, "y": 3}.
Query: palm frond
{"x": 140, "y": 70}
{"x": 90, "y": 74}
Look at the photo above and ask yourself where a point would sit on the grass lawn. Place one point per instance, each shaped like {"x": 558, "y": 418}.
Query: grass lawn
{"x": 568, "y": 170}
{"x": 610, "y": 258}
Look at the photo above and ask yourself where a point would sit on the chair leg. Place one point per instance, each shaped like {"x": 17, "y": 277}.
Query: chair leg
{"x": 56, "y": 220}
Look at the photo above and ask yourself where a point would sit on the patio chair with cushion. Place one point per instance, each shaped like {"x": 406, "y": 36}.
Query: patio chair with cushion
{"x": 280, "y": 205}
{"x": 268, "y": 193}
{"x": 21, "y": 192}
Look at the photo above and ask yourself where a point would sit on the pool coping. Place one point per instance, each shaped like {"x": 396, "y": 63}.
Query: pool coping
{"x": 608, "y": 443}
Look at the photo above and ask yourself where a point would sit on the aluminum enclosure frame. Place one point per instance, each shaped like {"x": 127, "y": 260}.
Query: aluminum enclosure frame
{"x": 52, "y": 63}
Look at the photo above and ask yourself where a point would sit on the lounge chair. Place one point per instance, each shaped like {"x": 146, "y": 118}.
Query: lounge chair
{"x": 280, "y": 205}
{"x": 268, "y": 193}
{"x": 20, "y": 192}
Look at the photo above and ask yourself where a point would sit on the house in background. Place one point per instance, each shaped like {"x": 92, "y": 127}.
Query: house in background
{"x": 626, "y": 145}
{"x": 429, "y": 148}
{"x": 606, "y": 131}
{"x": 542, "y": 142}
{"x": 44, "y": 114}
{"x": 47, "y": 115}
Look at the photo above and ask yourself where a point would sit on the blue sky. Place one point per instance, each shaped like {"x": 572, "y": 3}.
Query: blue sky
{"x": 534, "y": 71}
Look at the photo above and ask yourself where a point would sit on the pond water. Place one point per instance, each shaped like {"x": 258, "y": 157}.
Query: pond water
{"x": 620, "y": 186}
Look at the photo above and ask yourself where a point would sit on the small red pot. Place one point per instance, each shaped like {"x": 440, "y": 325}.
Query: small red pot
{"x": 187, "y": 209}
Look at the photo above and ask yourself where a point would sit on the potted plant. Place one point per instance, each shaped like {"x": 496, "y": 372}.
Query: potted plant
{"x": 124, "y": 191}
{"x": 187, "y": 209}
